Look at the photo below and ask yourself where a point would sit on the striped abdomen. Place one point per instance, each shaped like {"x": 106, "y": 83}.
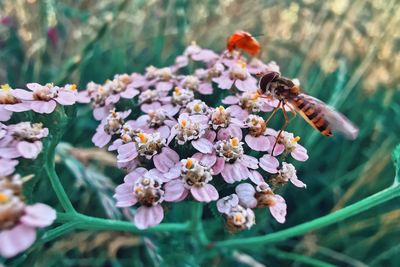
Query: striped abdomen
{"x": 311, "y": 111}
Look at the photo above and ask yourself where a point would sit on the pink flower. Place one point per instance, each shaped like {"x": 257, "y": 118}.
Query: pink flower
{"x": 227, "y": 125}
{"x": 165, "y": 79}
{"x": 97, "y": 95}
{"x": 119, "y": 87}
{"x": 256, "y": 139}
{"x": 246, "y": 103}
{"x": 262, "y": 197}
{"x": 205, "y": 77}
{"x": 237, "y": 217}
{"x": 157, "y": 120}
{"x": 23, "y": 140}
{"x": 193, "y": 83}
{"x": 239, "y": 76}
{"x": 288, "y": 173}
{"x": 151, "y": 100}
{"x": 193, "y": 129}
{"x": 19, "y": 221}
{"x": 231, "y": 162}
{"x": 190, "y": 175}
{"x": 109, "y": 126}
{"x": 143, "y": 145}
{"x": 143, "y": 82}
{"x": 257, "y": 66}
{"x": 9, "y": 103}
{"x": 287, "y": 143}
{"x": 197, "y": 107}
{"x": 196, "y": 53}
{"x": 44, "y": 98}
{"x": 143, "y": 187}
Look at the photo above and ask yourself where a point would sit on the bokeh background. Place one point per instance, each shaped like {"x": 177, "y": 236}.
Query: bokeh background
{"x": 343, "y": 52}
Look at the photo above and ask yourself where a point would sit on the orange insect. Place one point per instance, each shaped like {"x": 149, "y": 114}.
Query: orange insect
{"x": 245, "y": 41}
{"x": 319, "y": 115}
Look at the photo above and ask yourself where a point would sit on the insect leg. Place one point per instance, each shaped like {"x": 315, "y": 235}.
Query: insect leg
{"x": 292, "y": 111}
{"x": 282, "y": 129}
{"x": 273, "y": 112}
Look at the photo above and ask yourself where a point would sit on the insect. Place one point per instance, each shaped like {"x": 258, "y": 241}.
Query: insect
{"x": 245, "y": 41}
{"x": 319, "y": 115}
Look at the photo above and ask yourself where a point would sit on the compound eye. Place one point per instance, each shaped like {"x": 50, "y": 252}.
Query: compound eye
{"x": 266, "y": 80}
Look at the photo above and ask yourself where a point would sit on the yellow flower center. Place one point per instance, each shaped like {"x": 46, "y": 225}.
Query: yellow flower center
{"x": 72, "y": 87}
{"x": 189, "y": 163}
{"x": 238, "y": 218}
{"x": 177, "y": 91}
{"x": 296, "y": 139}
{"x": 184, "y": 123}
{"x": 4, "y": 198}
{"x": 242, "y": 63}
{"x": 142, "y": 137}
{"x": 138, "y": 190}
{"x": 196, "y": 107}
{"x": 5, "y": 87}
{"x": 221, "y": 109}
{"x": 234, "y": 141}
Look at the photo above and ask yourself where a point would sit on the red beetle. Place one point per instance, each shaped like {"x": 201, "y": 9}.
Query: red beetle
{"x": 245, "y": 41}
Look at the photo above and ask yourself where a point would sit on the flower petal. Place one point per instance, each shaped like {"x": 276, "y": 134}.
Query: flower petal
{"x": 124, "y": 195}
{"x": 203, "y": 145}
{"x": 46, "y": 107}
{"x": 299, "y": 153}
{"x": 38, "y": 215}
{"x": 166, "y": 159}
{"x": 16, "y": 240}
{"x": 148, "y": 216}
{"x": 29, "y": 150}
{"x": 260, "y": 143}
{"x": 278, "y": 210}
{"x": 205, "y": 193}
{"x": 66, "y": 97}
{"x": 174, "y": 190}
{"x": 249, "y": 162}
{"x": 246, "y": 194}
{"x": 269, "y": 163}
{"x": 206, "y": 160}
{"x": 235, "y": 172}
{"x": 22, "y": 94}
{"x": 101, "y": 138}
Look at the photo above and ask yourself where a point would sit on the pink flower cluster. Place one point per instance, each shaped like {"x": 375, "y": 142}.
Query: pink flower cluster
{"x": 19, "y": 221}
{"x": 179, "y": 142}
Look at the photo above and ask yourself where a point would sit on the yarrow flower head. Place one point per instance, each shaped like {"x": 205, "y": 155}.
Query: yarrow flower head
{"x": 180, "y": 143}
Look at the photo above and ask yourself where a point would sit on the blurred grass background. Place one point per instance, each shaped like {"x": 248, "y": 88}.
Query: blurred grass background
{"x": 344, "y": 52}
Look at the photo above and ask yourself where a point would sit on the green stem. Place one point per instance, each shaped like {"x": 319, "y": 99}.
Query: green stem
{"x": 58, "y": 231}
{"x": 55, "y": 181}
{"x": 356, "y": 208}
{"x": 92, "y": 223}
{"x": 84, "y": 222}
{"x": 197, "y": 223}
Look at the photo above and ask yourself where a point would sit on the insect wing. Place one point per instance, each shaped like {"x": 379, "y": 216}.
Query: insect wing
{"x": 337, "y": 122}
